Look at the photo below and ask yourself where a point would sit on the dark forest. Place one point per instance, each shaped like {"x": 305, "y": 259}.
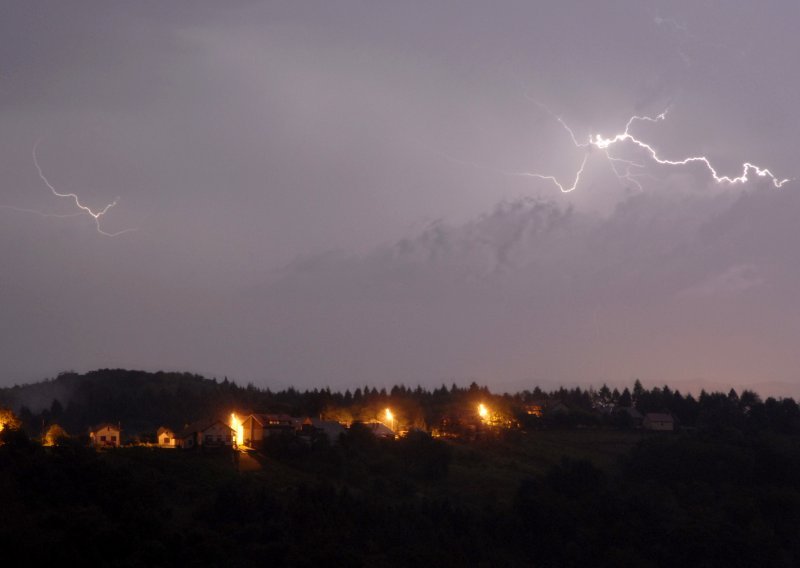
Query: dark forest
{"x": 564, "y": 478}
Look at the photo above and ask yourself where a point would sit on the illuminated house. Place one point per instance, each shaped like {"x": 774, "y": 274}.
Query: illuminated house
{"x": 165, "y": 438}
{"x": 259, "y": 426}
{"x": 534, "y": 409}
{"x": 105, "y": 435}
{"x": 54, "y": 434}
{"x": 8, "y": 420}
{"x": 211, "y": 434}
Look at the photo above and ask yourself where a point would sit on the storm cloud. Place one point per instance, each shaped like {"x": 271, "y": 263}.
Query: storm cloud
{"x": 324, "y": 193}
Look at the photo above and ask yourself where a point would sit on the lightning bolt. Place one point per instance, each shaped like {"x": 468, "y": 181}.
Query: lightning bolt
{"x": 84, "y": 210}
{"x": 627, "y": 172}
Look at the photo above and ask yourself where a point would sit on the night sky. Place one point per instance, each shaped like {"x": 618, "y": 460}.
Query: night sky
{"x": 328, "y": 193}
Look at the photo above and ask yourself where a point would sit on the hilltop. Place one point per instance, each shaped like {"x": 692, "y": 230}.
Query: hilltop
{"x": 68, "y": 385}
{"x": 139, "y": 399}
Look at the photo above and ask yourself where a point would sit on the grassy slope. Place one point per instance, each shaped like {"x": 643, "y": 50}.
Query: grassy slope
{"x": 481, "y": 473}
{"x": 490, "y": 472}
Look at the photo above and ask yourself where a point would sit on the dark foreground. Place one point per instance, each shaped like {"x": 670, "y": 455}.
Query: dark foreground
{"x": 614, "y": 499}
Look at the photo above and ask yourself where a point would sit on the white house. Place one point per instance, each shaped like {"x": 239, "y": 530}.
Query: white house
{"x": 105, "y": 435}
{"x": 165, "y": 438}
{"x": 659, "y": 422}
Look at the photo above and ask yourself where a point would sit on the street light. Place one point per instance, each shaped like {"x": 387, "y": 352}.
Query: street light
{"x": 483, "y": 412}
{"x": 238, "y": 429}
{"x": 390, "y": 418}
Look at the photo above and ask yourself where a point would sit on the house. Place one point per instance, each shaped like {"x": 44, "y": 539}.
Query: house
{"x": 207, "y": 434}
{"x": 658, "y": 422}
{"x": 258, "y": 426}
{"x": 8, "y": 420}
{"x": 535, "y": 406}
{"x": 379, "y": 429}
{"x": 330, "y": 428}
{"x": 105, "y": 435}
{"x": 165, "y": 438}
{"x": 533, "y": 410}
{"x": 54, "y": 435}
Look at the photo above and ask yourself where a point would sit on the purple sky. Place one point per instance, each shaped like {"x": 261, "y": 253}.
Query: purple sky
{"x": 322, "y": 192}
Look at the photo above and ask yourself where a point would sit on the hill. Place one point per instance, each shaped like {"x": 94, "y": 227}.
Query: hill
{"x": 143, "y": 401}
{"x": 139, "y": 399}
{"x": 572, "y": 486}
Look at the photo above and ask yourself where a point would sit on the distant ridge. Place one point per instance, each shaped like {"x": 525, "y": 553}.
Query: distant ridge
{"x": 139, "y": 400}
{"x": 69, "y": 385}
{"x": 142, "y": 401}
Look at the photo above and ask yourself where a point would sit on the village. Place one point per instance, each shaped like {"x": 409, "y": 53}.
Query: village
{"x": 250, "y": 431}
{"x": 237, "y": 433}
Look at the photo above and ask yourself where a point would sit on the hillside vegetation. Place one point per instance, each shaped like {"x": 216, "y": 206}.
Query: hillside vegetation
{"x": 575, "y": 489}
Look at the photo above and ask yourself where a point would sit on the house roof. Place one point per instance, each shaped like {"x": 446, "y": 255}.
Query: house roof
{"x": 108, "y": 425}
{"x": 201, "y": 426}
{"x": 379, "y": 429}
{"x": 658, "y": 417}
{"x": 330, "y": 427}
{"x": 164, "y": 429}
{"x": 266, "y": 419}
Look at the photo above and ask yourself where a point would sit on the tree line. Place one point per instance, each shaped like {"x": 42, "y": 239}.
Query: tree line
{"x": 142, "y": 401}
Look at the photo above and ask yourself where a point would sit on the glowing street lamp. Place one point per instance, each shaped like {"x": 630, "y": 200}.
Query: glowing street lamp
{"x": 483, "y": 412}
{"x": 390, "y": 418}
{"x": 238, "y": 428}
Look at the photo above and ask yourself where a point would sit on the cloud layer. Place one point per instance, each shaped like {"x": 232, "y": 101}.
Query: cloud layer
{"x": 674, "y": 288}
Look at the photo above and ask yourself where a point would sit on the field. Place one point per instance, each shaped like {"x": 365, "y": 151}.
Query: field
{"x": 481, "y": 473}
{"x": 490, "y": 471}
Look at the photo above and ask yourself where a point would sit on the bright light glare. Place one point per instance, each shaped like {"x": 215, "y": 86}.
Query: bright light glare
{"x": 238, "y": 427}
{"x": 483, "y": 412}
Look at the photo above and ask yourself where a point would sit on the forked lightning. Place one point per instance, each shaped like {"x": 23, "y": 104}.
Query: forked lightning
{"x": 605, "y": 144}
{"x": 96, "y": 215}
